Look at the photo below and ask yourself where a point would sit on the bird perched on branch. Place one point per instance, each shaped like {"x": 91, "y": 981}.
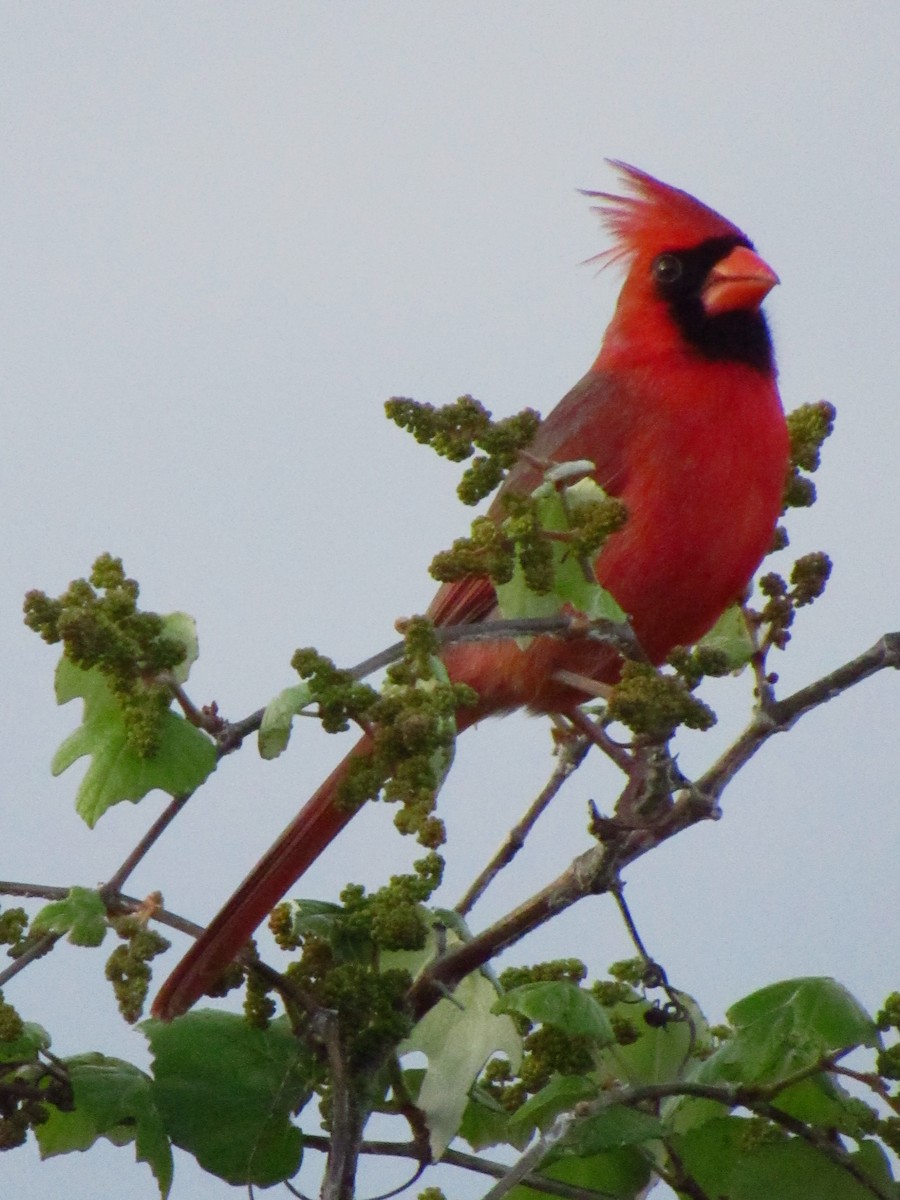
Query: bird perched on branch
{"x": 681, "y": 418}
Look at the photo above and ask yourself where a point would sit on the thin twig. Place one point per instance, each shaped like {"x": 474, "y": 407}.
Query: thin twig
{"x": 528, "y": 1162}
{"x": 591, "y": 873}
{"x": 656, "y": 977}
{"x": 115, "y": 883}
{"x": 117, "y": 902}
{"x": 33, "y": 891}
{"x": 36, "y": 950}
{"x": 566, "y": 625}
{"x": 872, "y": 1081}
{"x": 782, "y": 715}
{"x": 571, "y": 756}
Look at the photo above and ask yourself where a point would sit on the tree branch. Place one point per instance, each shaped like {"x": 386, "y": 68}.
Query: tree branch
{"x": 781, "y": 715}
{"x": 466, "y": 1162}
{"x": 565, "y": 625}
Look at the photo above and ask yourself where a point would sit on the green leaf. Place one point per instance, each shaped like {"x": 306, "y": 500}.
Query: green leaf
{"x": 112, "y": 1099}
{"x": 484, "y": 1122}
{"x": 570, "y": 587}
{"x": 816, "y": 1014}
{"x": 560, "y": 1095}
{"x": 728, "y": 1157}
{"x": 25, "y": 1047}
{"x": 611, "y": 1129}
{"x": 660, "y": 1052}
{"x": 731, "y": 637}
{"x": 621, "y": 1173}
{"x": 275, "y": 730}
{"x": 562, "y": 1004}
{"x": 820, "y": 1100}
{"x": 82, "y": 915}
{"x": 182, "y": 627}
{"x": 786, "y": 1027}
{"x": 226, "y": 1092}
{"x": 779, "y": 1030}
{"x": 184, "y": 760}
{"x": 323, "y": 919}
{"x": 458, "y": 1037}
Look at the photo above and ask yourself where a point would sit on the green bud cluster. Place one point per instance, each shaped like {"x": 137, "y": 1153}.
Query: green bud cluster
{"x": 413, "y": 729}
{"x": 17, "y": 1116}
{"x": 808, "y": 578}
{"x": 808, "y": 427}
{"x": 411, "y": 724}
{"x": 492, "y": 550}
{"x": 888, "y": 1062}
{"x": 340, "y": 697}
{"x": 128, "y": 967}
{"x": 370, "y": 1004}
{"x": 551, "y": 1051}
{"x": 888, "y": 1130}
{"x": 340, "y": 961}
{"x": 624, "y": 991}
{"x": 13, "y": 924}
{"x": 571, "y": 970}
{"x": 629, "y": 971}
{"x": 455, "y": 430}
{"x": 99, "y": 624}
{"x": 592, "y": 523}
{"x": 696, "y": 664}
{"x": 547, "y": 1050}
{"x": 259, "y": 1007}
{"x": 757, "y": 1132}
{"x": 486, "y": 552}
{"x": 11, "y": 1024}
{"x": 525, "y": 532}
{"x": 653, "y": 705}
{"x": 889, "y": 1013}
{"x": 626, "y": 1031}
{"x": 19, "y": 1112}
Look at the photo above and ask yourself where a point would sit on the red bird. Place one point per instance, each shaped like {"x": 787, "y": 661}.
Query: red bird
{"x": 680, "y": 415}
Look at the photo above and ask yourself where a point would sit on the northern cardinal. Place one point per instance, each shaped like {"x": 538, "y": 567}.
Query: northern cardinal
{"x": 681, "y": 417}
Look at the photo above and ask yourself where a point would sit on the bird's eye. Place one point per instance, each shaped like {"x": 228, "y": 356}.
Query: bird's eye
{"x": 667, "y": 268}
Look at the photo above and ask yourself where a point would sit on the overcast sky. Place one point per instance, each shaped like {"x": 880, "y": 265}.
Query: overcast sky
{"x": 230, "y": 232}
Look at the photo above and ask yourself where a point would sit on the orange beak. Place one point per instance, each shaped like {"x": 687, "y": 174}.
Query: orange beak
{"x": 741, "y": 280}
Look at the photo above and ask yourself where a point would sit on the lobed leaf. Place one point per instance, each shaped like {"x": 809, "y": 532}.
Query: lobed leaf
{"x": 185, "y": 758}
{"x": 82, "y": 915}
{"x": 112, "y": 1099}
{"x": 226, "y": 1092}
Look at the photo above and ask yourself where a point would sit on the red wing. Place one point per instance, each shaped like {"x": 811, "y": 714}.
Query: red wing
{"x": 463, "y": 603}
{"x": 589, "y": 422}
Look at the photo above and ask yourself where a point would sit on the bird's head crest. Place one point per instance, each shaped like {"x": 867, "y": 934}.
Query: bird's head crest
{"x": 653, "y": 218}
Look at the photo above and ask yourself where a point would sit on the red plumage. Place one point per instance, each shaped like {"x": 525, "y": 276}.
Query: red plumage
{"x": 680, "y": 415}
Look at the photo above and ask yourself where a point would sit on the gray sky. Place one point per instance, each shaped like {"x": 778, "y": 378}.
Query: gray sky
{"x": 231, "y": 231}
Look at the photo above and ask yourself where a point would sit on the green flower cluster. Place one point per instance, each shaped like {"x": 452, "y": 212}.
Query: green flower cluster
{"x": 455, "y": 430}
{"x": 100, "y": 626}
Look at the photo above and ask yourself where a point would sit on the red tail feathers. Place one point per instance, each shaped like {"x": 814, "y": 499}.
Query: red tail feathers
{"x": 319, "y": 821}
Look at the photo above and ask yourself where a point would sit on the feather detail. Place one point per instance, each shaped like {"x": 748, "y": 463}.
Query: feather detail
{"x": 654, "y": 218}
